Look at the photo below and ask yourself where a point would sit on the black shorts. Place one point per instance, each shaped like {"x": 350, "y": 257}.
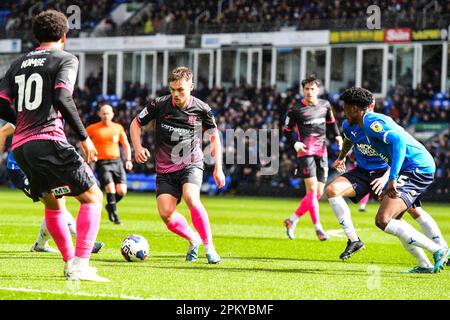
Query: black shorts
{"x": 53, "y": 167}
{"x": 313, "y": 166}
{"x": 360, "y": 180}
{"x": 110, "y": 171}
{"x": 172, "y": 183}
{"x": 411, "y": 185}
{"x": 20, "y": 181}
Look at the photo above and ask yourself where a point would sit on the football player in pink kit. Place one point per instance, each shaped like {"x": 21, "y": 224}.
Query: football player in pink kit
{"x": 308, "y": 119}
{"x": 39, "y": 85}
{"x": 179, "y": 121}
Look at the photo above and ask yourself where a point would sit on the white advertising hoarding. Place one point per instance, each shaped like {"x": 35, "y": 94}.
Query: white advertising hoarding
{"x": 277, "y": 39}
{"x": 125, "y": 43}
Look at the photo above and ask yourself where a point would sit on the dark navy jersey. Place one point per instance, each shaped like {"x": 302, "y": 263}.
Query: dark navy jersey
{"x": 30, "y": 84}
{"x": 178, "y": 132}
{"x": 309, "y": 123}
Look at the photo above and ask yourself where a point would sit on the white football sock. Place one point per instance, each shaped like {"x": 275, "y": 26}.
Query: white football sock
{"x": 71, "y": 223}
{"x": 209, "y": 248}
{"x": 318, "y": 226}
{"x": 342, "y": 212}
{"x": 43, "y": 235}
{"x": 417, "y": 253}
{"x": 294, "y": 218}
{"x": 406, "y": 232}
{"x": 80, "y": 263}
{"x": 431, "y": 229}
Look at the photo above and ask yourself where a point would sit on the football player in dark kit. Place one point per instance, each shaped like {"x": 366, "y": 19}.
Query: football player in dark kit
{"x": 39, "y": 85}
{"x": 309, "y": 119}
{"x": 179, "y": 121}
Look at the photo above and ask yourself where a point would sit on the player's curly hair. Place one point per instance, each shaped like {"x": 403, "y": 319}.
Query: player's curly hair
{"x": 359, "y": 97}
{"x": 50, "y": 26}
{"x": 311, "y": 79}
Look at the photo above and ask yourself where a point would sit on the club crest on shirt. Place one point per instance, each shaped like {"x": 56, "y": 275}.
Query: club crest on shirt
{"x": 376, "y": 126}
{"x": 115, "y": 138}
{"x": 192, "y": 119}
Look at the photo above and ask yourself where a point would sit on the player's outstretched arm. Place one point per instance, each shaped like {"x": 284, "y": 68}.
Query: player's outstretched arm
{"x": 216, "y": 150}
{"x": 140, "y": 154}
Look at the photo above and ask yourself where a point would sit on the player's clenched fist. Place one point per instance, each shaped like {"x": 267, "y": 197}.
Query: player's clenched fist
{"x": 142, "y": 155}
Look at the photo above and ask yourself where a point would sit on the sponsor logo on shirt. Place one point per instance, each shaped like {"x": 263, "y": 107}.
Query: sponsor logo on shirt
{"x": 368, "y": 151}
{"x": 59, "y": 191}
{"x": 315, "y": 121}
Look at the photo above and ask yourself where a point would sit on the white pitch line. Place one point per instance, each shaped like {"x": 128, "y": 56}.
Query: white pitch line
{"x": 77, "y": 293}
{"x": 335, "y": 233}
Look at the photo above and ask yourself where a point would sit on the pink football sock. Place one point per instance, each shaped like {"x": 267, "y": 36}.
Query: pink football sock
{"x": 200, "y": 221}
{"x": 58, "y": 229}
{"x": 179, "y": 225}
{"x": 303, "y": 207}
{"x": 88, "y": 223}
{"x": 365, "y": 199}
{"x": 313, "y": 206}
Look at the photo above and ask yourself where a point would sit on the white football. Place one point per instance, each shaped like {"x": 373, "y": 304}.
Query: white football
{"x": 135, "y": 248}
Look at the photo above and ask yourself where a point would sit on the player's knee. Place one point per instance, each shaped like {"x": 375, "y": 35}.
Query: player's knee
{"x": 121, "y": 192}
{"x": 382, "y": 222}
{"x": 95, "y": 195}
{"x": 331, "y": 191}
{"x": 166, "y": 213}
{"x": 192, "y": 199}
{"x": 415, "y": 212}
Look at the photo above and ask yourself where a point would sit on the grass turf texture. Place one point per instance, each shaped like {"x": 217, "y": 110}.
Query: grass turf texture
{"x": 258, "y": 261}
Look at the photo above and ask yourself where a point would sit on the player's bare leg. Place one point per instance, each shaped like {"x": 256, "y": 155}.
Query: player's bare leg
{"x": 200, "y": 220}
{"x": 177, "y": 223}
{"x": 336, "y": 190}
{"x": 389, "y": 220}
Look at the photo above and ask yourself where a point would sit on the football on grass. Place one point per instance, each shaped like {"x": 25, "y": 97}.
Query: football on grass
{"x": 135, "y": 248}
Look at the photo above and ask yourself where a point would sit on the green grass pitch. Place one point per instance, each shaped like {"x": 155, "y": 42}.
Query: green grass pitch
{"x": 258, "y": 261}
